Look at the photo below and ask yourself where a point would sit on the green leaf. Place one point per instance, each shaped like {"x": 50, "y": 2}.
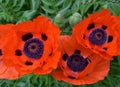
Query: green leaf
{"x": 58, "y": 3}
{"x": 18, "y": 5}
{"x": 48, "y": 10}
{"x": 46, "y": 2}
{"x": 27, "y": 15}
{"x": 115, "y": 9}
{"x": 66, "y": 6}
{"x": 7, "y": 2}
{"x": 34, "y": 4}
{"x": 76, "y": 6}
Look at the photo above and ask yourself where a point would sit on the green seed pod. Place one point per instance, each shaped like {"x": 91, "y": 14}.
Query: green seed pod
{"x": 75, "y": 18}
{"x": 59, "y": 20}
{"x": 105, "y": 6}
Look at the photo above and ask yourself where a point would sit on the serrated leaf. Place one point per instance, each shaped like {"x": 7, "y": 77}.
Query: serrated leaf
{"x": 48, "y": 10}
{"x": 87, "y": 7}
{"x": 27, "y": 15}
{"x": 111, "y": 82}
{"x": 1, "y": 1}
{"x": 96, "y": 4}
{"x": 19, "y": 5}
{"x": 20, "y": 84}
{"x": 82, "y": 8}
{"x": 59, "y": 2}
{"x": 47, "y": 2}
{"x": 115, "y": 9}
{"x": 6, "y": 2}
{"x": 67, "y": 3}
{"x": 34, "y": 4}
{"x": 75, "y": 6}
{"x": 14, "y": 3}
{"x": 66, "y": 8}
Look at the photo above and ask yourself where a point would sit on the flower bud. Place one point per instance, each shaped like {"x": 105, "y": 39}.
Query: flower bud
{"x": 105, "y": 6}
{"x": 75, "y": 18}
{"x": 59, "y": 20}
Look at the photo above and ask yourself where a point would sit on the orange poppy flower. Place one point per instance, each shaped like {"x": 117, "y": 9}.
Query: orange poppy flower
{"x": 99, "y": 33}
{"x": 6, "y": 72}
{"x": 32, "y": 46}
{"x": 79, "y": 65}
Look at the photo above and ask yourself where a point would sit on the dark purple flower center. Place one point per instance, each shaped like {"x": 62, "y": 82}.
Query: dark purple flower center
{"x": 98, "y": 36}
{"x": 33, "y": 48}
{"x": 76, "y": 62}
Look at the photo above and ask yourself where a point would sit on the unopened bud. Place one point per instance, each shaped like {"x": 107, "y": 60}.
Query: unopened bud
{"x": 59, "y": 20}
{"x": 75, "y": 18}
{"x": 105, "y": 6}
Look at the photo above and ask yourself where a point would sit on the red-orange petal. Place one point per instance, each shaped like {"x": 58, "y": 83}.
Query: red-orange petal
{"x": 41, "y": 28}
{"x": 99, "y": 20}
{"x": 6, "y": 72}
{"x": 97, "y": 69}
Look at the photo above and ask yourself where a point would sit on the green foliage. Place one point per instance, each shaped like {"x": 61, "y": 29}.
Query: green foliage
{"x": 17, "y": 10}
{"x": 14, "y": 11}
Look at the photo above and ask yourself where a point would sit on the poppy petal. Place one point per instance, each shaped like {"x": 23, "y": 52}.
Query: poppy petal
{"x": 99, "y": 32}
{"x": 8, "y": 72}
{"x": 32, "y": 43}
{"x": 96, "y": 70}
{"x": 5, "y": 71}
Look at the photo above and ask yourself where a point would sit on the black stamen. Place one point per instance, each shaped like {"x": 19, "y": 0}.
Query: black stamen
{"x": 28, "y": 63}
{"x": 27, "y": 36}
{"x": 64, "y": 57}
{"x": 77, "y": 51}
{"x": 110, "y": 38}
{"x": 18, "y": 52}
{"x": 104, "y": 27}
{"x": 0, "y": 52}
{"x": 90, "y": 26}
{"x": 71, "y": 77}
{"x": 44, "y": 37}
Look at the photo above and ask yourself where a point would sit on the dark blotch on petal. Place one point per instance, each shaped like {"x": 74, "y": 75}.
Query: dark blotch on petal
{"x": 44, "y": 37}
{"x": 90, "y": 26}
{"x": 50, "y": 54}
{"x": 27, "y": 36}
{"x": 0, "y": 52}
{"x": 44, "y": 63}
{"x": 104, "y": 27}
{"x": 110, "y": 38}
{"x": 62, "y": 67}
{"x": 71, "y": 77}
{"x": 65, "y": 56}
{"x": 84, "y": 36}
{"x": 105, "y": 48}
{"x": 18, "y": 52}
{"x": 28, "y": 63}
{"x": 77, "y": 51}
